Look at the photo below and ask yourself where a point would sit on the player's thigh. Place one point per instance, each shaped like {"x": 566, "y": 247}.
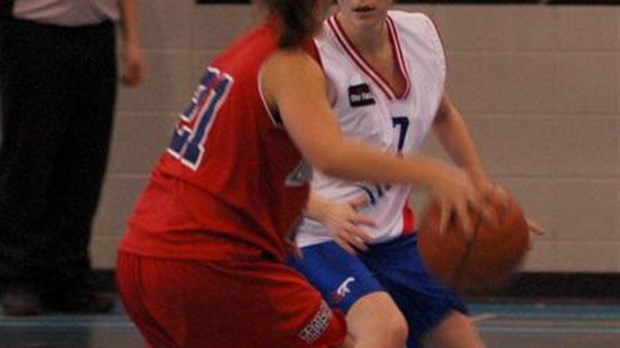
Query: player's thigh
{"x": 341, "y": 278}
{"x": 255, "y": 303}
{"x": 300, "y": 317}
{"x": 129, "y": 282}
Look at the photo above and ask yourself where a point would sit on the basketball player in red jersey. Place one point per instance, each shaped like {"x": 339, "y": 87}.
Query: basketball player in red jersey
{"x": 203, "y": 263}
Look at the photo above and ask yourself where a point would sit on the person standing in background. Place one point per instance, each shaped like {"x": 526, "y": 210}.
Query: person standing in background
{"x": 59, "y": 80}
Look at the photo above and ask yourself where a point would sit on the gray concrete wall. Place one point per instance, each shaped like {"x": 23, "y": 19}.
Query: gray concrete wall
{"x": 539, "y": 87}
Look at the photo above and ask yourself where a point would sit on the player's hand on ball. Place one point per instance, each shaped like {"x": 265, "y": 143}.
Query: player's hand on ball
{"x": 499, "y": 195}
{"x": 484, "y": 263}
{"x": 456, "y": 195}
{"x": 492, "y": 194}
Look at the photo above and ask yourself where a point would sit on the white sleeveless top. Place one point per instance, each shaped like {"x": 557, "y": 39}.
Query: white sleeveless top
{"x": 67, "y": 12}
{"x": 369, "y": 110}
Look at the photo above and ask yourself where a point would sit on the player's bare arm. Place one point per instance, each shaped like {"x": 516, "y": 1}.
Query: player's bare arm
{"x": 454, "y": 136}
{"x": 293, "y": 84}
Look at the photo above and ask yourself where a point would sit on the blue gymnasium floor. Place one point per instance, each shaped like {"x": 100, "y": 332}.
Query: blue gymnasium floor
{"x": 512, "y": 325}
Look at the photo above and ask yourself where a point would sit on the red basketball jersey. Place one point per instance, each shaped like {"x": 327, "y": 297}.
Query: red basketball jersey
{"x": 231, "y": 172}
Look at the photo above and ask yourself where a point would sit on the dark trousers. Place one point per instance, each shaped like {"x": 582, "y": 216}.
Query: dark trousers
{"x": 58, "y": 89}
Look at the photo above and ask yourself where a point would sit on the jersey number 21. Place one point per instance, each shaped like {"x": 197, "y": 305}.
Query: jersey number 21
{"x": 188, "y": 140}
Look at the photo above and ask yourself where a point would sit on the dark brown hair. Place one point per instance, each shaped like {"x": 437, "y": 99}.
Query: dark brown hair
{"x": 297, "y": 19}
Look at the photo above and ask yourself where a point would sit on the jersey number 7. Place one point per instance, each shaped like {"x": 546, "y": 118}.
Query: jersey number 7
{"x": 188, "y": 139}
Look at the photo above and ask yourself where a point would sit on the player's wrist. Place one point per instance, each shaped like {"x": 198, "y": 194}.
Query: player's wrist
{"x": 315, "y": 208}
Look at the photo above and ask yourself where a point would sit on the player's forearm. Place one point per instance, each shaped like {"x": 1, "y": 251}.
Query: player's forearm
{"x": 454, "y": 136}
{"x": 362, "y": 162}
{"x": 129, "y": 21}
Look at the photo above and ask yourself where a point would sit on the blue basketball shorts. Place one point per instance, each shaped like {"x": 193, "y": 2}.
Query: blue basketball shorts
{"x": 394, "y": 267}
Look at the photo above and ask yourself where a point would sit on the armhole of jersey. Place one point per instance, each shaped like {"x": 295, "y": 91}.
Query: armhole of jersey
{"x": 409, "y": 220}
{"x": 439, "y": 43}
{"x": 442, "y": 52}
{"x": 275, "y": 118}
{"x": 312, "y": 49}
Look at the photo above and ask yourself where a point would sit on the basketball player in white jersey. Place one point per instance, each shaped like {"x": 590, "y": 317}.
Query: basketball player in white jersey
{"x": 385, "y": 72}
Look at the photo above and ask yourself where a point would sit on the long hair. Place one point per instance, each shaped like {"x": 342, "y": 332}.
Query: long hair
{"x": 297, "y": 19}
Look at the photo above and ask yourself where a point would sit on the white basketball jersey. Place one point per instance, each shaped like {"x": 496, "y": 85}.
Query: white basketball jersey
{"x": 370, "y": 110}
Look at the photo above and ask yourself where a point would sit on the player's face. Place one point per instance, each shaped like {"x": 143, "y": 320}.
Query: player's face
{"x": 364, "y": 11}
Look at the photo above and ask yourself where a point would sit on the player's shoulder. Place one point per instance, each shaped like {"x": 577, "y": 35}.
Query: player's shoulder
{"x": 415, "y": 25}
{"x": 411, "y": 19}
{"x": 400, "y": 15}
{"x": 285, "y": 62}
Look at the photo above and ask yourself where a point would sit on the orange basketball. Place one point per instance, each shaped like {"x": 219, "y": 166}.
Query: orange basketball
{"x": 484, "y": 264}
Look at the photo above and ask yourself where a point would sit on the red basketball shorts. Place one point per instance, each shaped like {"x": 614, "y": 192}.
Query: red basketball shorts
{"x": 225, "y": 304}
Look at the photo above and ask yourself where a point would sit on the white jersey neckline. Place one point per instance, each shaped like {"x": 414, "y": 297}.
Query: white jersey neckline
{"x": 346, "y": 44}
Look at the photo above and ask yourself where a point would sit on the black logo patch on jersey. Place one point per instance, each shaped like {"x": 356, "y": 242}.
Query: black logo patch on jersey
{"x": 360, "y": 95}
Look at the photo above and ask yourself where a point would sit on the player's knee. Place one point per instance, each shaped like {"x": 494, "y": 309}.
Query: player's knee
{"x": 394, "y": 332}
{"x": 376, "y": 321}
{"x": 400, "y": 332}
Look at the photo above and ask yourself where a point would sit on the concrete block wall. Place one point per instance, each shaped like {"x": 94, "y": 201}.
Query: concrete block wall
{"x": 538, "y": 85}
